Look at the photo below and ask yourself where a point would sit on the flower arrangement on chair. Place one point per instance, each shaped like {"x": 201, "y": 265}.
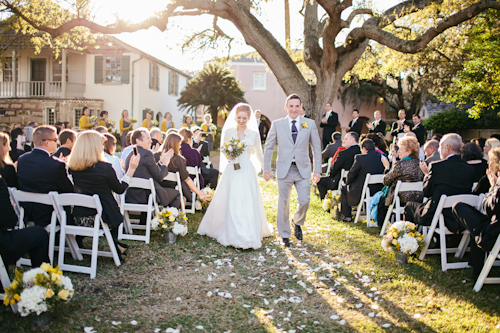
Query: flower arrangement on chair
{"x": 38, "y": 290}
{"x": 403, "y": 237}
{"x": 172, "y": 220}
{"x": 331, "y": 203}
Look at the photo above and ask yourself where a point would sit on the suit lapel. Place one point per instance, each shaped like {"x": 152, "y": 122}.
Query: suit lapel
{"x": 287, "y": 130}
{"x": 301, "y": 131}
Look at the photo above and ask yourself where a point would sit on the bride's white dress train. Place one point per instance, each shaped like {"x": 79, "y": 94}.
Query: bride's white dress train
{"x": 236, "y": 215}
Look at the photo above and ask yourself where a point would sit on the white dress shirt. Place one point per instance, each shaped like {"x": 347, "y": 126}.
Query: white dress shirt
{"x": 297, "y": 123}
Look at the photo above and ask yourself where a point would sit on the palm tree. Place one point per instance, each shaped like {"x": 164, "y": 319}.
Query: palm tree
{"x": 215, "y": 87}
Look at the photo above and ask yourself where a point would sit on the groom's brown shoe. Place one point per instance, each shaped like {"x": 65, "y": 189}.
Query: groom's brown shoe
{"x": 286, "y": 241}
{"x": 298, "y": 232}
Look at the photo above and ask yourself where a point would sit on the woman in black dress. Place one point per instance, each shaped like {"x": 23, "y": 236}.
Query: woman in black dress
{"x": 7, "y": 169}
{"x": 93, "y": 175}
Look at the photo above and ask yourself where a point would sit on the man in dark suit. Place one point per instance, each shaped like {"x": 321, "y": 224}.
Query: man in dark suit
{"x": 331, "y": 149}
{"x": 329, "y": 124}
{"x": 370, "y": 162}
{"x": 67, "y": 140}
{"x": 419, "y": 129}
{"x": 431, "y": 151}
{"x": 149, "y": 169}
{"x": 38, "y": 172}
{"x": 344, "y": 160}
{"x": 399, "y": 126}
{"x": 355, "y": 125}
{"x": 451, "y": 176}
{"x": 263, "y": 126}
{"x": 378, "y": 125}
{"x": 199, "y": 142}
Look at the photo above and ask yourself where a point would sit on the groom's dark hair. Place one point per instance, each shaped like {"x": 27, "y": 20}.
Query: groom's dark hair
{"x": 293, "y": 96}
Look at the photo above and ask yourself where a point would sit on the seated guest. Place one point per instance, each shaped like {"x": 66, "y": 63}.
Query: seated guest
{"x": 406, "y": 169}
{"x": 491, "y": 143}
{"x": 28, "y": 145}
{"x": 148, "y": 168}
{"x": 379, "y": 141}
{"x": 344, "y": 160}
{"x": 178, "y": 164}
{"x": 7, "y": 169}
{"x": 331, "y": 149}
{"x": 450, "y": 176}
{"x": 103, "y": 120}
{"x": 484, "y": 229}
{"x": 109, "y": 152}
{"x": 368, "y": 162}
{"x": 18, "y": 139}
{"x": 67, "y": 139}
{"x": 193, "y": 158}
{"x": 93, "y": 175}
{"x": 474, "y": 156}
{"x": 378, "y": 125}
{"x": 156, "y": 139}
{"x": 16, "y": 243}
{"x": 188, "y": 122}
{"x": 421, "y": 154}
{"x": 85, "y": 122}
{"x": 101, "y": 129}
{"x": 431, "y": 148}
{"x": 38, "y": 172}
{"x": 263, "y": 126}
{"x": 199, "y": 141}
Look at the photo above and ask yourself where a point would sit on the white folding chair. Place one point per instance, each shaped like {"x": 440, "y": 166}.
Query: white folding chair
{"x": 364, "y": 202}
{"x": 194, "y": 171}
{"x": 69, "y": 232}
{"x": 329, "y": 166}
{"x": 176, "y": 178}
{"x": 474, "y": 186}
{"x": 12, "y": 201}
{"x": 342, "y": 180}
{"x": 490, "y": 261}
{"x": 439, "y": 227}
{"x": 149, "y": 208}
{"x": 52, "y": 228}
{"x": 395, "y": 207}
{"x": 206, "y": 160}
{"x": 4, "y": 278}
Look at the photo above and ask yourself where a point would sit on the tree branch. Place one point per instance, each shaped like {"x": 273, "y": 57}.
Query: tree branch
{"x": 356, "y": 12}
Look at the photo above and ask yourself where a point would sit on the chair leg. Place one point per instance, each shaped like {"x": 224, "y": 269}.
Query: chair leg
{"x": 62, "y": 240}
{"x": 386, "y": 220}
{"x": 442, "y": 240}
{"x": 492, "y": 256}
{"x": 427, "y": 241}
{"x": 111, "y": 243}
{"x": 462, "y": 246}
{"x": 52, "y": 239}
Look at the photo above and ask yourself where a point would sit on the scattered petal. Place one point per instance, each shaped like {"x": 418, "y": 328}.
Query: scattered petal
{"x": 89, "y": 330}
{"x": 199, "y": 327}
{"x": 209, "y": 293}
{"x": 334, "y": 317}
{"x": 417, "y": 315}
{"x": 359, "y": 305}
{"x": 246, "y": 306}
{"x": 133, "y": 322}
{"x": 116, "y": 322}
{"x": 371, "y": 314}
{"x": 386, "y": 325}
{"x": 342, "y": 322}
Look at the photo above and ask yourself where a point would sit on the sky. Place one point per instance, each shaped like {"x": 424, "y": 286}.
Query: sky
{"x": 166, "y": 45}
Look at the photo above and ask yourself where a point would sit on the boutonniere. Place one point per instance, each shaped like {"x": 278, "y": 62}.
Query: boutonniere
{"x": 304, "y": 125}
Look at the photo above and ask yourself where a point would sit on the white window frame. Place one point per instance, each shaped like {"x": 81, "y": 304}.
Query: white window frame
{"x": 7, "y": 70}
{"x": 154, "y": 75}
{"x": 259, "y": 81}
{"x": 119, "y": 70}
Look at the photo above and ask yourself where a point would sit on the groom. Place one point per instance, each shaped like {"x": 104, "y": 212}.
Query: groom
{"x": 293, "y": 134}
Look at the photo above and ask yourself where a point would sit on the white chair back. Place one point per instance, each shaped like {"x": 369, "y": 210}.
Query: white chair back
{"x": 4, "y": 278}
{"x": 343, "y": 176}
{"x": 364, "y": 202}
{"x": 194, "y": 171}
{"x": 176, "y": 177}
{"x": 328, "y": 168}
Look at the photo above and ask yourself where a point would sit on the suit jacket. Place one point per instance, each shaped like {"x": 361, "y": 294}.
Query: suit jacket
{"x": 379, "y": 128}
{"x": 62, "y": 150}
{"x": 147, "y": 169}
{"x": 100, "y": 179}
{"x": 330, "y": 127}
{"x": 281, "y": 134}
{"x": 204, "y": 148}
{"x": 356, "y": 127}
{"x": 263, "y": 129}
{"x": 371, "y": 163}
{"x": 8, "y": 173}
{"x": 433, "y": 158}
{"x": 38, "y": 172}
{"x": 330, "y": 150}
{"x": 451, "y": 177}
{"x": 420, "y": 132}
{"x": 345, "y": 160}
{"x": 395, "y": 130}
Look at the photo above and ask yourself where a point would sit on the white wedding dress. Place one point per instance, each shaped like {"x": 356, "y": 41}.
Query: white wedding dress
{"x": 236, "y": 215}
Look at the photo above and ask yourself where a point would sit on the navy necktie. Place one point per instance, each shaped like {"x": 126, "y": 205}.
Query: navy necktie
{"x": 294, "y": 131}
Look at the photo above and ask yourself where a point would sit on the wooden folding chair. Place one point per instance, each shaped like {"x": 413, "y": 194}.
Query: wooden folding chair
{"x": 439, "y": 227}
{"x": 69, "y": 232}
{"x": 4, "y": 278}
{"x": 395, "y": 207}
{"x": 176, "y": 177}
{"x": 364, "y": 202}
{"x": 149, "y": 208}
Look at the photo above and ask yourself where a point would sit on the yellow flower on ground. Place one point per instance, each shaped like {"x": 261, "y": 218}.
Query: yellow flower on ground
{"x": 49, "y": 293}
{"x": 63, "y": 294}
{"x": 46, "y": 267}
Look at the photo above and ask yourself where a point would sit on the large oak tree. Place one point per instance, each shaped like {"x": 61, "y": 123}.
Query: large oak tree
{"x": 330, "y": 59}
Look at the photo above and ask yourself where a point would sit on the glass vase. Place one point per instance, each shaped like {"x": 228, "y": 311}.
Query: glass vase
{"x": 401, "y": 258}
{"x": 170, "y": 238}
{"x": 41, "y": 320}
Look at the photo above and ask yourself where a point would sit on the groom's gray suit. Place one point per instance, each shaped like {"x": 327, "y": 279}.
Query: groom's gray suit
{"x": 293, "y": 166}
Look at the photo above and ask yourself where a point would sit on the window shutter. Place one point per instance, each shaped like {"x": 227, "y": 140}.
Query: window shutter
{"x": 125, "y": 74}
{"x": 98, "y": 74}
{"x": 157, "y": 77}
{"x": 170, "y": 83}
{"x": 176, "y": 84}
{"x": 151, "y": 75}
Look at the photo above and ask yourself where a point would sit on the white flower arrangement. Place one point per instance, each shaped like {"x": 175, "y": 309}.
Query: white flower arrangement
{"x": 402, "y": 236}
{"x": 32, "y": 300}
{"x": 180, "y": 229}
{"x": 29, "y": 278}
{"x": 331, "y": 202}
{"x": 198, "y": 205}
{"x": 171, "y": 219}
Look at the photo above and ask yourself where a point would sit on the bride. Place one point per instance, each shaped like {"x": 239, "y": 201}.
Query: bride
{"x": 236, "y": 215}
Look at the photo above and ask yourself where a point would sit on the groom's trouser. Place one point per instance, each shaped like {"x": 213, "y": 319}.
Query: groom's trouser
{"x": 303, "y": 188}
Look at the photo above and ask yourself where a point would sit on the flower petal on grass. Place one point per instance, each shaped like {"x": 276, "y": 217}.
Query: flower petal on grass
{"x": 133, "y": 322}
{"x": 89, "y": 330}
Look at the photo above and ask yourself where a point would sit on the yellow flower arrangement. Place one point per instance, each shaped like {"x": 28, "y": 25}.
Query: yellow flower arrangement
{"x": 170, "y": 219}
{"x": 402, "y": 236}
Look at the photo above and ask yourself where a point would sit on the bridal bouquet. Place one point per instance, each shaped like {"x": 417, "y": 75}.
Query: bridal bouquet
{"x": 93, "y": 118}
{"x": 232, "y": 149}
{"x": 402, "y": 236}
{"x": 133, "y": 120}
{"x": 332, "y": 203}
{"x": 170, "y": 219}
{"x": 38, "y": 290}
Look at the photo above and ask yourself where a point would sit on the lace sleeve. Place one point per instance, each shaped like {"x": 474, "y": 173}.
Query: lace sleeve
{"x": 258, "y": 149}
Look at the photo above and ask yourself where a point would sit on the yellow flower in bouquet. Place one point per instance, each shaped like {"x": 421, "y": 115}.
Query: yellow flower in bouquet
{"x": 133, "y": 120}
{"x": 232, "y": 149}
{"x": 111, "y": 123}
{"x": 49, "y": 293}
{"x": 93, "y": 118}
{"x": 154, "y": 122}
{"x": 63, "y": 294}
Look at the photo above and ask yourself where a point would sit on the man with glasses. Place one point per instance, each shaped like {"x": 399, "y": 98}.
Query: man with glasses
{"x": 38, "y": 172}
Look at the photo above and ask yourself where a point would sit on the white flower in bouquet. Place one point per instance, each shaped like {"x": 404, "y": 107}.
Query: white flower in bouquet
{"x": 385, "y": 245}
{"x": 29, "y": 278}
{"x": 67, "y": 284}
{"x": 32, "y": 300}
{"x": 230, "y": 148}
{"x": 327, "y": 203}
{"x": 179, "y": 229}
{"x": 408, "y": 244}
{"x": 173, "y": 211}
{"x": 198, "y": 205}
{"x": 155, "y": 223}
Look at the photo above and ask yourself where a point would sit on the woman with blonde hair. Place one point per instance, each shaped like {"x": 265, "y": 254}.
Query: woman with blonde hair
{"x": 490, "y": 144}
{"x": 125, "y": 127}
{"x": 167, "y": 123}
{"x": 93, "y": 175}
{"x": 7, "y": 169}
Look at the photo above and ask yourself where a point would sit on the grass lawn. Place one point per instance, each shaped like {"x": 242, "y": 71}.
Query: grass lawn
{"x": 337, "y": 280}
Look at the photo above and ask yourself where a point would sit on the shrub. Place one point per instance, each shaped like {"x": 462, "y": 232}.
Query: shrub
{"x": 454, "y": 120}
